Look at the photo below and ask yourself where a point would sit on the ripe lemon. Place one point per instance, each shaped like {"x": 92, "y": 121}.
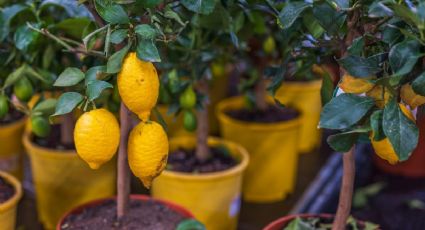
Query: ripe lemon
{"x": 147, "y": 151}
{"x": 138, "y": 85}
{"x": 410, "y": 97}
{"x": 96, "y": 137}
{"x": 383, "y": 148}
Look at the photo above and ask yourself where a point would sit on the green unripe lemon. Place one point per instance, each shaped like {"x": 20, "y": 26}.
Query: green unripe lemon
{"x": 189, "y": 121}
{"x": 23, "y": 89}
{"x": 4, "y": 106}
{"x": 40, "y": 126}
{"x": 269, "y": 45}
{"x": 188, "y": 98}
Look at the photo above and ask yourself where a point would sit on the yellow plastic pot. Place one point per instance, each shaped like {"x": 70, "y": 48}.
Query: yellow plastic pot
{"x": 213, "y": 198}
{"x": 174, "y": 124}
{"x": 11, "y": 148}
{"x": 272, "y": 148}
{"x": 63, "y": 181}
{"x": 8, "y": 208}
{"x": 304, "y": 96}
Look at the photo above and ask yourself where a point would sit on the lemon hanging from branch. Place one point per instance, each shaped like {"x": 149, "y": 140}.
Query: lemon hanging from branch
{"x": 96, "y": 137}
{"x": 147, "y": 151}
{"x": 138, "y": 85}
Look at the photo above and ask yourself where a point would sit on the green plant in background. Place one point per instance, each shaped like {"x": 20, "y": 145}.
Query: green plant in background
{"x": 375, "y": 42}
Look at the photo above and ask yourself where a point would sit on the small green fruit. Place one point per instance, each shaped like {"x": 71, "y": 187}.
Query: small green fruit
{"x": 4, "y": 106}
{"x": 189, "y": 121}
{"x": 40, "y": 126}
{"x": 188, "y": 98}
{"x": 269, "y": 45}
{"x": 23, "y": 89}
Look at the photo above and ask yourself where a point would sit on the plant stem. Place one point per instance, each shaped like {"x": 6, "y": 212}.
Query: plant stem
{"x": 260, "y": 94}
{"x": 123, "y": 180}
{"x": 346, "y": 191}
{"x": 67, "y": 129}
{"x": 202, "y": 149}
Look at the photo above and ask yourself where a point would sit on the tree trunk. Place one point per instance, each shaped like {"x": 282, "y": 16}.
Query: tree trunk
{"x": 67, "y": 129}
{"x": 346, "y": 191}
{"x": 123, "y": 183}
{"x": 260, "y": 94}
{"x": 202, "y": 149}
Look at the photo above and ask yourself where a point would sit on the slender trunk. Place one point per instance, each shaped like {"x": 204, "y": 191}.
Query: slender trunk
{"x": 202, "y": 149}
{"x": 346, "y": 191}
{"x": 260, "y": 94}
{"x": 123, "y": 183}
{"x": 67, "y": 129}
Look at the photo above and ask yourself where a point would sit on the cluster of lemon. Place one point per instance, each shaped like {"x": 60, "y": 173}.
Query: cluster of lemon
{"x": 97, "y": 132}
{"x": 381, "y": 95}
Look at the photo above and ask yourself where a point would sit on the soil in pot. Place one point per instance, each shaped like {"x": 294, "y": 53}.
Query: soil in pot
{"x": 270, "y": 115}
{"x": 146, "y": 215}
{"x": 322, "y": 223}
{"x": 6, "y": 191}
{"x": 184, "y": 160}
{"x": 12, "y": 116}
{"x": 53, "y": 141}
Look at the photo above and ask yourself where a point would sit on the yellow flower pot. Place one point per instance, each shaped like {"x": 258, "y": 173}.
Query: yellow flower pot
{"x": 8, "y": 208}
{"x": 213, "y": 198}
{"x": 63, "y": 181}
{"x": 11, "y": 148}
{"x": 272, "y": 147}
{"x": 304, "y": 96}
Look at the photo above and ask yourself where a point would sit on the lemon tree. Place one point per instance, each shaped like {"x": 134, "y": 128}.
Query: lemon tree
{"x": 381, "y": 76}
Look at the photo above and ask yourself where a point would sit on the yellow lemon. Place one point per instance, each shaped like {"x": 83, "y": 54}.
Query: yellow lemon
{"x": 138, "y": 85}
{"x": 380, "y": 94}
{"x": 383, "y": 148}
{"x": 351, "y": 84}
{"x": 410, "y": 97}
{"x": 147, "y": 151}
{"x": 96, "y": 137}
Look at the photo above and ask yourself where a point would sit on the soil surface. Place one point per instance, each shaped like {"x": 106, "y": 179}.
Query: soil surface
{"x": 11, "y": 116}
{"x": 53, "y": 141}
{"x": 143, "y": 215}
{"x": 270, "y": 115}
{"x": 184, "y": 160}
{"x": 6, "y": 190}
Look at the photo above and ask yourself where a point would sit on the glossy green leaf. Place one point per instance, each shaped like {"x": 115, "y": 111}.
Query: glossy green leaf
{"x": 190, "y": 224}
{"x": 379, "y": 9}
{"x": 147, "y": 51}
{"x": 290, "y": 12}
{"x": 344, "y": 4}
{"x": 400, "y": 130}
{"x": 403, "y": 56}
{"x": 199, "y": 6}
{"x": 24, "y": 37}
{"x": 343, "y": 142}
{"x": 69, "y": 77}
{"x": 173, "y": 15}
{"x": 329, "y": 18}
{"x": 376, "y": 121}
{"x": 46, "y": 107}
{"x": 344, "y": 111}
{"x": 73, "y": 26}
{"x": 112, "y": 13}
{"x": 404, "y": 13}
{"x": 95, "y": 88}
{"x": 38, "y": 75}
{"x": 67, "y": 102}
{"x": 91, "y": 74}
{"x": 15, "y": 76}
{"x": 312, "y": 25}
{"x": 115, "y": 61}
{"x": 356, "y": 47}
{"x": 6, "y": 16}
{"x": 359, "y": 66}
{"x": 118, "y": 36}
{"x": 299, "y": 224}
{"x": 418, "y": 84}
{"x": 327, "y": 89}
{"x": 145, "y": 31}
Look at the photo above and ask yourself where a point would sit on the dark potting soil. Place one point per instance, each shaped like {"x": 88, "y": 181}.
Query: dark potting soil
{"x": 53, "y": 141}
{"x": 269, "y": 115}
{"x": 399, "y": 205}
{"x": 320, "y": 223}
{"x": 6, "y": 190}
{"x": 184, "y": 160}
{"x": 143, "y": 215}
{"x": 12, "y": 116}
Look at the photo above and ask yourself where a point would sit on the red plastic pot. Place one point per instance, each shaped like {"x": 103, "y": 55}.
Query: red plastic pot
{"x": 284, "y": 221}
{"x": 80, "y": 208}
{"x": 414, "y": 167}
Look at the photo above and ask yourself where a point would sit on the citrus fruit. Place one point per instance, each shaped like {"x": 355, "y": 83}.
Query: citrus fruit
{"x": 188, "y": 98}
{"x": 351, "y": 84}
{"x": 269, "y": 45}
{"x": 23, "y": 89}
{"x": 189, "y": 121}
{"x": 40, "y": 126}
{"x": 138, "y": 85}
{"x": 4, "y": 106}
{"x": 217, "y": 69}
{"x": 96, "y": 137}
{"x": 147, "y": 151}
{"x": 410, "y": 97}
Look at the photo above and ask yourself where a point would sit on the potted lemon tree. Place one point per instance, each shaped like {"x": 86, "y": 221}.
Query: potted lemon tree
{"x": 126, "y": 33}
{"x": 205, "y": 172}
{"x": 375, "y": 73}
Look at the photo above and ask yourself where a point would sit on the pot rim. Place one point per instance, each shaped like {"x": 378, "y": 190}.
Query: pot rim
{"x": 239, "y": 168}
{"x": 48, "y": 152}
{"x": 175, "y": 207}
{"x": 13, "y": 201}
{"x": 223, "y": 105}
{"x": 285, "y": 219}
{"x": 14, "y": 124}
{"x": 302, "y": 85}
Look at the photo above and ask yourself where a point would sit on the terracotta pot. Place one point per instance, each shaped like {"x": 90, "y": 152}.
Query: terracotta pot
{"x": 80, "y": 208}
{"x": 415, "y": 166}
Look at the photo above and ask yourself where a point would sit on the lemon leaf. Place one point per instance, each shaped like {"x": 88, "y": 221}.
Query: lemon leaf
{"x": 291, "y": 12}
{"x": 190, "y": 224}
{"x": 115, "y": 61}
{"x": 95, "y": 88}
{"x": 418, "y": 84}
{"x": 67, "y": 102}
{"x": 199, "y": 6}
{"x": 147, "y": 51}
{"x": 69, "y": 77}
